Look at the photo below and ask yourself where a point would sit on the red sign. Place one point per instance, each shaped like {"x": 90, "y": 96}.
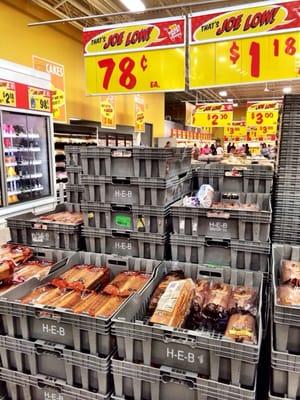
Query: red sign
{"x": 264, "y": 18}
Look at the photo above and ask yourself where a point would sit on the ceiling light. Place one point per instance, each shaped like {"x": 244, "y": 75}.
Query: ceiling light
{"x": 134, "y": 5}
{"x": 223, "y": 93}
{"x": 287, "y": 90}
{"x": 235, "y": 105}
{"x": 230, "y": 100}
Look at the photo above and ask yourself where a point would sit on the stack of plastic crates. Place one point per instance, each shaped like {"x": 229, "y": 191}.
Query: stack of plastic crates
{"x": 286, "y": 210}
{"x": 128, "y": 194}
{"x": 74, "y": 188}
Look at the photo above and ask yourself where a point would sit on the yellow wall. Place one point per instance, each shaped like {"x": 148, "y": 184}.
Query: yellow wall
{"x": 62, "y": 43}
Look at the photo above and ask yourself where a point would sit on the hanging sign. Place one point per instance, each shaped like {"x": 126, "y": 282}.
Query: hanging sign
{"x": 262, "y": 113}
{"x": 57, "y": 74}
{"x": 245, "y": 45}
{"x": 7, "y": 93}
{"x": 145, "y": 56}
{"x": 108, "y": 112}
{"x": 213, "y": 115}
{"x": 235, "y": 132}
{"x": 262, "y": 133}
{"x": 139, "y": 114}
{"x": 39, "y": 99}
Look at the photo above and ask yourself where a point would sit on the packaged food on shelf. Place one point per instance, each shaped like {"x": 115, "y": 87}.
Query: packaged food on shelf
{"x": 290, "y": 272}
{"x": 241, "y": 328}
{"x": 205, "y": 196}
{"x": 126, "y": 283}
{"x": 14, "y": 252}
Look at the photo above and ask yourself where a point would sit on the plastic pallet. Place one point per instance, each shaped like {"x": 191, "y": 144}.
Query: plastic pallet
{"x": 149, "y": 219}
{"x": 28, "y": 229}
{"x": 211, "y": 251}
{"x": 205, "y": 353}
{"x": 76, "y": 369}
{"x": 135, "y": 381}
{"x": 75, "y": 193}
{"x": 133, "y": 244}
{"x": 225, "y": 223}
{"x": 79, "y": 332}
{"x": 136, "y": 191}
{"x": 20, "y": 386}
{"x": 73, "y": 157}
{"x": 148, "y": 162}
{"x": 74, "y": 174}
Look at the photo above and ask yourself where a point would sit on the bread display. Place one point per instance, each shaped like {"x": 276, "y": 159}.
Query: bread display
{"x": 241, "y": 328}
{"x": 126, "y": 283}
{"x": 32, "y": 268}
{"x": 42, "y": 295}
{"x": 64, "y": 217}
{"x": 243, "y": 300}
{"x": 290, "y": 272}
{"x": 160, "y": 289}
{"x": 87, "y": 301}
{"x": 174, "y": 305}
{"x": 201, "y": 292}
{"x": 288, "y": 295}
{"x": 17, "y": 253}
{"x": 106, "y": 306}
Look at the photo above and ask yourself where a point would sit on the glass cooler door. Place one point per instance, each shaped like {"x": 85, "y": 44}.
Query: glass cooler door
{"x": 26, "y": 157}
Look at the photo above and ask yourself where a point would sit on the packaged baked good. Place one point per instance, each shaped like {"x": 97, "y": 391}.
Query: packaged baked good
{"x": 106, "y": 305}
{"x": 68, "y": 299}
{"x": 175, "y": 304}
{"x": 126, "y": 283}
{"x": 160, "y": 289}
{"x": 42, "y": 295}
{"x": 205, "y": 196}
{"x": 63, "y": 217}
{"x": 215, "y": 312}
{"x": 201, "y": 292}
{"x": 288, "y": 295}
{"x": 36, "y": 268}
{"x": 241, "y": 328}
{"x": 242, "y": 300}
{"x": 7, "y": 268}
{"x": 290, "y": 272}
{"x": 17, "y": 253}
{"x": 87, "y": 301}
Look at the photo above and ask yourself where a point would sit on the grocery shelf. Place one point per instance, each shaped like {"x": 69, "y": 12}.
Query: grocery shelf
{"x": 21, "y": 135}
{"x": 17, "y": 178}
{"x": 22, "y": 150}
{"x": 23, "y": 163}
{"x": 25, "y": 191}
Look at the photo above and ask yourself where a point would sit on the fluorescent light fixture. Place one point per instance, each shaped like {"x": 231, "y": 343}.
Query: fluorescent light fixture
{"x": 287, "y": 90}
{"x": 134, "y": 5}
{"x": 230, "y": 100}
{"x": 235, "y": 105}
{"x": 223, "y": 93}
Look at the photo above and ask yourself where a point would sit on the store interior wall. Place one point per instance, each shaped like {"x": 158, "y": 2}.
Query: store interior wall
{"x": 61, "y": 43}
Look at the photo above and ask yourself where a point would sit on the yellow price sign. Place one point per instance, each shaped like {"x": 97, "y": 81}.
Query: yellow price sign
{"x": 262, "y": 114}
{"x": 213, "y": 115}
{"x": 39, "y": 99}
{"x": 147, "y": 56}
{"x": 7, "y": 93}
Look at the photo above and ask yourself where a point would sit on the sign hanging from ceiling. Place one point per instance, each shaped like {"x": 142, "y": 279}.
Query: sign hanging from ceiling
{"x": 214, "y": 115}
{"x": 262, "y": 113}
{"x": 244, "y": 45}
{"x": 144, "y": 56}
{"x": 108, "y": 112}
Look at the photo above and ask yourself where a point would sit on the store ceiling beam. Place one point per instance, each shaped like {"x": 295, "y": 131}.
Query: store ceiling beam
{"x": 59, "y": 4}
{"x": 122, "y": 13}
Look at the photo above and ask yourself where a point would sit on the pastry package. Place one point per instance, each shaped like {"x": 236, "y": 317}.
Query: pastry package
{"x": 288, "y": 295}
{"x": 126, "y": 283}
{"x": 215, "y": 310}
{"x": 175, "y": 304}
{"x": 106, "y": 305}
{"x": 64, "y": 217}
{"x": 242, "y": 300}
{"x": 241, "y": 328}
{"x": 14, "y": 252}
{"x": 161, "y": 287}
{"x": 35, "y": 268}
{"x": 82, "y": 277}
{"x": 201, "y": 292}
{"x": 290, "y": 272}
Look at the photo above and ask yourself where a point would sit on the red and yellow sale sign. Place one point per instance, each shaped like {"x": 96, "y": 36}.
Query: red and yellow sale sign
{"x": 235, "y": 132}
{"x": 212, "y": 115}
{"x": 108, "y": 112}
{"x": 139, "y": 114}
{"x": 7, "y": 93}
{"x": 39, "y": 99}
{"x": 145, "y": 56}
{"x": 263, "y": 113}
{"x": 245, "y": 45}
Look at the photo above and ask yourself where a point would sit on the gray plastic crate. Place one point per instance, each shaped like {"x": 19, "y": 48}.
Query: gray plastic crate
{"x": 139, "y": 382}
{"x": 74, "y": 174}
{"x": 54, "y": 360}
{"x": 271, "y": 397}
{"x": 136, "y": 191}
{"x": 73, "y": 157}
{"x": 27, "y": 229}
{"x": 253, "y": 178}
{"x": 286, "y": 318}
{"x": 136, "y": 162}
{"x": 202, "y": 352}
{"x": 133, "y": 244}
{"x": 239, "y": 254}
{"x": 80, "y": 332}
{"x": 225, "y": 223}
{"x": 148, "y": 219}
{"x": 20, "y": 386}
{"x": 75, "y": 193}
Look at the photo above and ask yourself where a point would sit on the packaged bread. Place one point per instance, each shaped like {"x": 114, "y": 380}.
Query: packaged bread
{"x": 288, "y": 295}
{"x": 68, "y": 299}
{"x": 35, "y": 268}
{"x": 83, "y": 277}
{"x": 241, "y": 328}
{"x": 14, "y": 252}
{"x": 160, "y": 289}
{"x": 42, "y": 295}
{"x": 63, "y": 217}
{"x": 7, "y": 268}
{"x": 175, "y": 304}
{"x": 290, "y": 272}
{"x": 215, "y": 310}
{"x": 201, "y": 292}
{"x": 126, "y": 283}
{"x": 243, "y": 300}
{"x": 87, "y": 301}
{"x": 106, "y": 305}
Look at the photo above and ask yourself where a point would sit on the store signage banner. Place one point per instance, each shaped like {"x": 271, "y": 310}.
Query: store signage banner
{"x": 213, "y": 115}
{"x": 235, "y": 132}
{"x": 139, "y": 114}
{"x": 145, "y": 56}
{"x": 264, "y": 18}
{"x": 57, "y": 73}
{"x": 108, "y": 112}
{"x": 262, "y": 113}
{"x": 7, "y": 93}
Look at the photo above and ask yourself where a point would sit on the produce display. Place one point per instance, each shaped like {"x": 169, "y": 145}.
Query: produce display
{"x": 64, "y": 217}
{"x": 288, "y": 292}
{"x": 214, "y": 306}
{"x": 85, "y": 289}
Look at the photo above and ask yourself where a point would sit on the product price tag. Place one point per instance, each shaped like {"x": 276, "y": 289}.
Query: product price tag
{"x": 262, "y": 114}
{"x": 42, "y": 237}
{"x": 213, "y": 115}
{"x": 39, "y": 99}
{"x": 7, "y": 93}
